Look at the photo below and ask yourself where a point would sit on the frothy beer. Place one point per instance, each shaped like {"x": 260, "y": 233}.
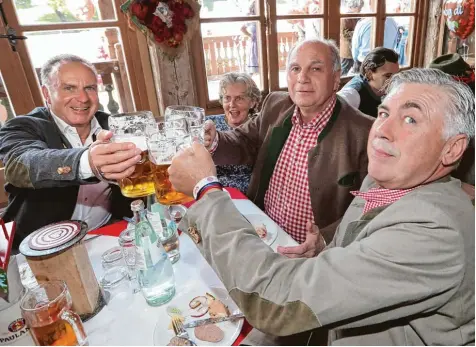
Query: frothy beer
{"x": 164, "y": 190}
{"x": 141, "y": 182}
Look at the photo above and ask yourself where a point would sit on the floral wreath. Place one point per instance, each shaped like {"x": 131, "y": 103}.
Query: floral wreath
{"x": 168, "y": 23}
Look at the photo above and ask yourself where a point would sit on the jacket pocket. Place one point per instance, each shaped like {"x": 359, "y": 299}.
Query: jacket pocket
{"x": 349, "y": 180}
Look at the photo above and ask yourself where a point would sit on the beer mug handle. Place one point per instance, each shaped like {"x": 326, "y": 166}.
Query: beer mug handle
{"x": 73, "y": 319}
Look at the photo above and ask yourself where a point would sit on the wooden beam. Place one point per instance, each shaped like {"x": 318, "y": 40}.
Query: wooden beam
{"x": 432, "y": 44}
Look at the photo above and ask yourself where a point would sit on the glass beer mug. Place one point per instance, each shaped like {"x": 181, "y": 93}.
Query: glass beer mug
{"x": 163, "y": 142}
{"x": 48, "y": 313}
{"x": 131, "y": 127}
{"x": 186, "y": 120}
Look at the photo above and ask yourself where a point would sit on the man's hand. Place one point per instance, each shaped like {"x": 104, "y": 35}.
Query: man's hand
{"x": 189, "y": 167}
{"x": 310, "y": 248}
{"x": 114, "y": 161}
{"x": 210, "y": 133}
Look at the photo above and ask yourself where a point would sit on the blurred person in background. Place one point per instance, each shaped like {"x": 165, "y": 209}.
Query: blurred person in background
{"x": 365, "y": 90}
{"x": 347, "y": 31}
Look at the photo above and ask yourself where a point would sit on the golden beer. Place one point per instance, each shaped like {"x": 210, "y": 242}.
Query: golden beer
{"x": 141, "y": 182}
{"x": 164, "y": 191}
{"x": 47, "y": 310}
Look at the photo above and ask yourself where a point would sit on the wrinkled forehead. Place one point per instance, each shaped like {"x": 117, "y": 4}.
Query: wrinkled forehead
{"x": 237, "y": 88}
{"x": 72, "y": 73}
{"x": 429, "y": 99}
{"x": 310, "y": 52}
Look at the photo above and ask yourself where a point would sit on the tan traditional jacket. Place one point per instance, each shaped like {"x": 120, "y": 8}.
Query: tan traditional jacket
{"x": 402, "y": 274}
{"x": 336, "y": 165}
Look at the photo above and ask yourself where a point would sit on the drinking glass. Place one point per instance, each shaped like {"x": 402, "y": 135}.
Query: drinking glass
{"x": 113, "y": 257}
{"x": 47, "y": 310}
{"x": 126, "y": 241}
{"x": 131, "y": 127}
{"x": 168, "y": 138}
{"x": 117, "y": 287}
{"x": 189, "y": 119}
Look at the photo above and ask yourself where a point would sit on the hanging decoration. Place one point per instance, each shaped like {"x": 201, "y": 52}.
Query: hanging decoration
{"x": 459, "y": 17}
{"x": 168, "y": 23}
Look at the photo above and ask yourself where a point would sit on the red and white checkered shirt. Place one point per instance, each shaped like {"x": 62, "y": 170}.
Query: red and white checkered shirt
{"x": 287, "y": 200}
{"x": 376, "y": 197}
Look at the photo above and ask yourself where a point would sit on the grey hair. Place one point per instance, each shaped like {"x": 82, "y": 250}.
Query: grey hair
{"x": 335, "y": 54}
{"x": 354, "y": 3}
{"x": 252, "y": 90}
{"x": 52, "y": 65}
{"x": 459, "y": 107}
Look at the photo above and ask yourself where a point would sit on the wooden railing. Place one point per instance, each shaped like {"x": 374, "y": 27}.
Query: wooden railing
{"x": 229, "y": 53}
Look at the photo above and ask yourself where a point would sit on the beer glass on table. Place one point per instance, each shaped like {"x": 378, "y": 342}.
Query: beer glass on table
{"x": 131, "y": 127}
{"x": 47, "y": 310}
{"x": 166, "y": 139}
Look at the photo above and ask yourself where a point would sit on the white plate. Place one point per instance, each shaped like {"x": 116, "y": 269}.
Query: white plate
{"x": 162, "y": 334}
{"x": 260, "y": 219}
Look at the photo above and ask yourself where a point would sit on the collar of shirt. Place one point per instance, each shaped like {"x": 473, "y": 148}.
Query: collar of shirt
{"x": 319, "y": 120}
{"x": 377, "y": 197}
{"x": 67, "y": 129}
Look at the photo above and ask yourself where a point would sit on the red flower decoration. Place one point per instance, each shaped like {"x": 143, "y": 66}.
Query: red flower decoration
{"x": 166, "y": 20}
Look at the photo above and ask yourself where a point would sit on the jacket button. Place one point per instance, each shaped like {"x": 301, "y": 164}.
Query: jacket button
{"x": 63, "y": 170}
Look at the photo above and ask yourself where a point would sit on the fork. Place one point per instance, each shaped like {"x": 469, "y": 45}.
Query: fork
{"x": 180, "y": 331}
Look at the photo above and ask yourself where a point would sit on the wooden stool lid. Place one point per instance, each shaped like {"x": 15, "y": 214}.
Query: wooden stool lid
{"x": 53, "y": 238}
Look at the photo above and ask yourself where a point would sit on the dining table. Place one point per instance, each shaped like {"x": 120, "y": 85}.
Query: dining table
{"x": 132, "y": 321}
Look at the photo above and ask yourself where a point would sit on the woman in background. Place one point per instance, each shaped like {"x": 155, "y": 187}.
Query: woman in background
{"x": 240, "y": 97}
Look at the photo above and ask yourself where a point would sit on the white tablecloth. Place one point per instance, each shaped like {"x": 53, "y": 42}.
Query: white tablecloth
{"x": 133, "y": 322}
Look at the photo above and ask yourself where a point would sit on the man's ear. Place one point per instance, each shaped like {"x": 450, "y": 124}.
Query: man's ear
{"x": 46, "y": 94}
{"x": 454, "y": 149}
{"x": 369, "y": 75}
{"x": 337, "y": 76}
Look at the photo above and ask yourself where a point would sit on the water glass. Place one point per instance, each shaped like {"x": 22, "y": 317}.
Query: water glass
{"x": 112, "y": 258}
{"x": 128, "y": 248}
{"x": 117, "y": 287}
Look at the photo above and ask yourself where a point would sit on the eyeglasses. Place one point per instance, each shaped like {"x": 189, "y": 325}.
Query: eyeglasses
{"x": 240, "y": 99}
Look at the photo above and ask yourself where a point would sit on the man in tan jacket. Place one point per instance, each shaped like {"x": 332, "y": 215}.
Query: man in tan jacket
{"x": 400, "y": 269}
{"x": 307, "y": 148}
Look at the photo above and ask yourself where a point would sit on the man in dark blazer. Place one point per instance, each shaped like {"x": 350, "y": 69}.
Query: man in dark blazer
{"x": 57, "y": 158}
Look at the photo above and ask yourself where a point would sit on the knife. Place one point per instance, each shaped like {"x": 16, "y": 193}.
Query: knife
{"x": 200, "y": 322}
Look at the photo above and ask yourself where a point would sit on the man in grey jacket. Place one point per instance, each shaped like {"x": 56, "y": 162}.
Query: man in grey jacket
{"x": 400, "y": 269}
{"x": 56, "y": 158}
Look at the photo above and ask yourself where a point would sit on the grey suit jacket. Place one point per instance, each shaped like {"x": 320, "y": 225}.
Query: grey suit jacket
{"x": 403, "y": 277}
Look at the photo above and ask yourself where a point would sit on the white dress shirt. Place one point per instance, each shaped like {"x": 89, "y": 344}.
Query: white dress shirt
{"x": 93, "y": 205}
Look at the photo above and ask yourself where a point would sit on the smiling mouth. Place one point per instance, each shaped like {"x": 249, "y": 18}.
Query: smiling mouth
{"x": 80, "y": 109}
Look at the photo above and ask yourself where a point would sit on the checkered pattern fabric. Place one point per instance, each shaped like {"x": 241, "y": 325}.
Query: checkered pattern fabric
{"x": 377, "y": 197}
{"x": 287, "y": 200}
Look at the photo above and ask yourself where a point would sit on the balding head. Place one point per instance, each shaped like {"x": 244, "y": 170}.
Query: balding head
{"x": 313, "y": 75}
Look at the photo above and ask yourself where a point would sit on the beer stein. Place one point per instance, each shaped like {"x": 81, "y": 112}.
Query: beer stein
{"x": 47, "y": 310}
{"x": 166, "y": 140}
{"x": 131, "y": 127}
{"x": 185, "y": 120}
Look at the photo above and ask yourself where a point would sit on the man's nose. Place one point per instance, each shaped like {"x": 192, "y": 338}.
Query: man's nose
{"x": 82, "y": 96}
{"x": 386, "y": 128}
{"x": 303, "y": 76}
